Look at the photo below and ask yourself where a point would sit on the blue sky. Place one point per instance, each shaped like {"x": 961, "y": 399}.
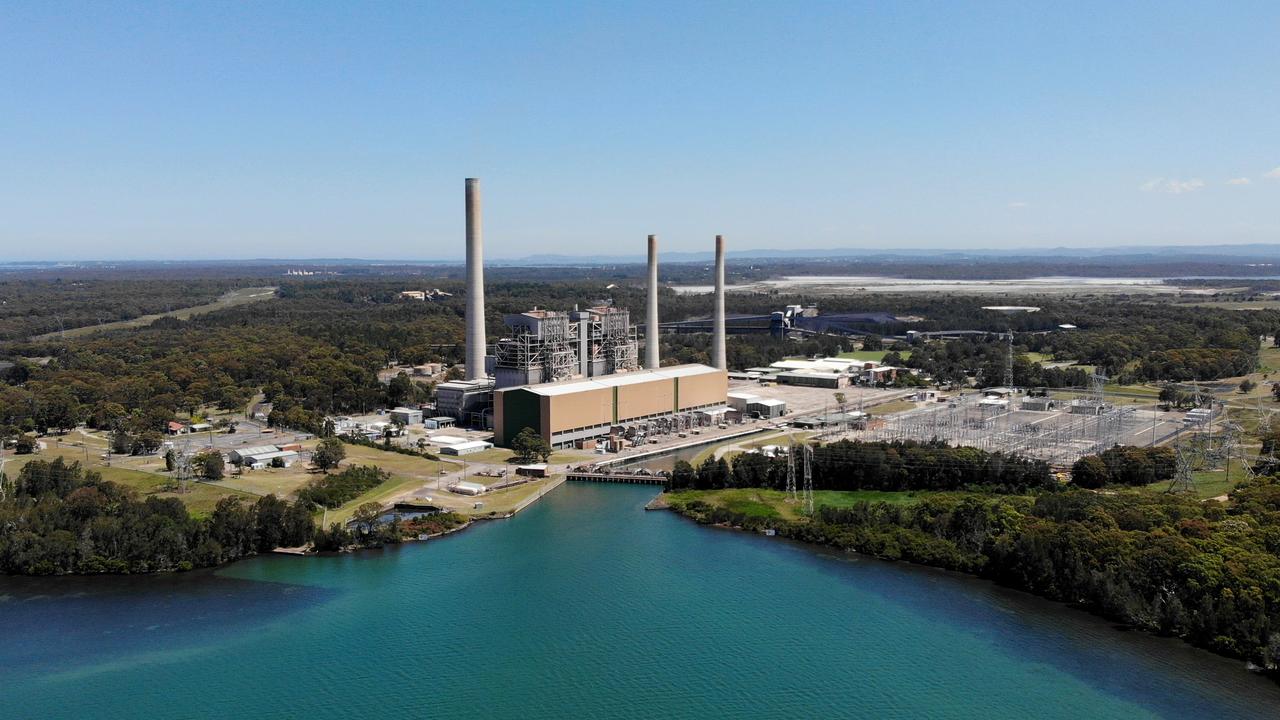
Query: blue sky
{"x": 323, "y": 129}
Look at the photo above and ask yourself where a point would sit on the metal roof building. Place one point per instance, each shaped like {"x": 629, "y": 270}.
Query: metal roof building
{"x": 577, "y": 409}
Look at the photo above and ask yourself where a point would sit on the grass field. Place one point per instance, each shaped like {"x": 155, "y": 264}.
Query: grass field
{"x": 240, "y": 296}
{"x": 1209, "y": 483}
{"x": 200, "y": 499}
{"x": 1119, "y": 394}
{"x": 755, "y": 502}
{"x": 409, "y": 473}
{"x": 891, "y": 407}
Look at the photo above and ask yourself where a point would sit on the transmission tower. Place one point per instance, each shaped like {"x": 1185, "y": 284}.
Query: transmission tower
{"x": 1098, "y": 386}
{"x": 808, "y": 477}
{"x": 1230, "y": 446}
{"x": 791, "y": 469}
{"x": 182, "y": 467}
{"x": 1183, "y": 481}
{"x": 1008, "y": 362}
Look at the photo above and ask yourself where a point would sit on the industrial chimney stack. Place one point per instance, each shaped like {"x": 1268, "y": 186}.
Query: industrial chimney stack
{"x": 476, "y": 345}
{"x": 717, "y": 319}
{"x": 651, "y": 309}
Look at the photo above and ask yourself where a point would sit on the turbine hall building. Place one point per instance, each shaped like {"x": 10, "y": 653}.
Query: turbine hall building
{"x": 571, "y": 410}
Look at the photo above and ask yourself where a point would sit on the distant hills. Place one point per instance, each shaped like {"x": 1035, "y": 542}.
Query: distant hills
{"x": 1164, "y": 253}
{"x": 1262, "y": 254}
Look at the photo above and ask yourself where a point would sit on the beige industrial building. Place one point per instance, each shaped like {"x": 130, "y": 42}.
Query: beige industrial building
{"x": 572, "y": 410}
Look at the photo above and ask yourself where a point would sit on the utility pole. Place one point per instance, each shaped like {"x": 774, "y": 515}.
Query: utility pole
{"x": 791, "y": 469}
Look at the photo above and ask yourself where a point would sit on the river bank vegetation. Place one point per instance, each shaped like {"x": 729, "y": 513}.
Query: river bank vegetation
{"x": 58, "y": 518}
{"x": 892, "y": 466}
{"x": 1204, "y": 571}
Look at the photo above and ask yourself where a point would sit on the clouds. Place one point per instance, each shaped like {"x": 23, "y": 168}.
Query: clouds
{"x": 1019, "y": 204}
{"x": 1175, "y": 186}
{"x": 1172, "y": 186}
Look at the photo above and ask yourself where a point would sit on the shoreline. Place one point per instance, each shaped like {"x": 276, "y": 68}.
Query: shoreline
{"x": 784, "y": 535}
{"x": 471, "y": 520}
{"x": 304, "y": 552}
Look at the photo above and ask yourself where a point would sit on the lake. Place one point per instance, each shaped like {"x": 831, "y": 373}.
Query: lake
{"x": 586, "y": 606}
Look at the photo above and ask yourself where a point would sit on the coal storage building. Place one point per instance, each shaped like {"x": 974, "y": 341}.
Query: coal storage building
{"x": 572, "y": 410}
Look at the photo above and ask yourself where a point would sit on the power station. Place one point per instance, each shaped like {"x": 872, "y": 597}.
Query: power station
{"x": 576, "y": 376}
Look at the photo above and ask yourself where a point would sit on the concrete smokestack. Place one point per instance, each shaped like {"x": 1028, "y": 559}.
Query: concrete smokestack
{"x": 717, "y": 318}
{"x": 651, "y": 309}
{"x": 476, "y": 345}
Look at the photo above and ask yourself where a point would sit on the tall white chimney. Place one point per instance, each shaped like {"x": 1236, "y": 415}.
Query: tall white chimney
{"x": 717, "y": 319}
{"x": 651, "y": 309}
{"x": 476, "y": 345}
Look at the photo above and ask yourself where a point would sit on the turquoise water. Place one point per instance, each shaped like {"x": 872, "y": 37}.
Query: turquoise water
{"x": 585, "y": 606}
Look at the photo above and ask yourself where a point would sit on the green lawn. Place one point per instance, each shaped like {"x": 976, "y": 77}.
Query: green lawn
{"x": 892, "y": 407}
{"x": 1209, "y": 483}
{"x": 381, "y": 494}
{"x": 200, "y": 498}
{"x": 755, "y": 502}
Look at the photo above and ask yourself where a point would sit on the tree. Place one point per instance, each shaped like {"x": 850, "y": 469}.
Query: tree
{"x": 1247, "y": 385}
{"x": 299, "y": 525}
{"x": 332, "y": 539}
{"x": 24, "y": 445}
{"x": 872, "y": 342}
{"x": 269, "y": 513}
{"x": 120, "y": 441}
{"x": 1173, "y": 395}
{"x": 170, "y": 460}
{"x": 840, "y": 400}
{"x": 401, "y": 389}
{"x": 329, "y": 453}
{"x": 682, "y": 475}
{"x": 145, "y": 443}
{"x": 1090, "y": 472}
{"x": 210, "y": 465}
{"x": 366, "y": 517}
{"x": 528, "y": 444}
{"x": 713, "y": 474}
